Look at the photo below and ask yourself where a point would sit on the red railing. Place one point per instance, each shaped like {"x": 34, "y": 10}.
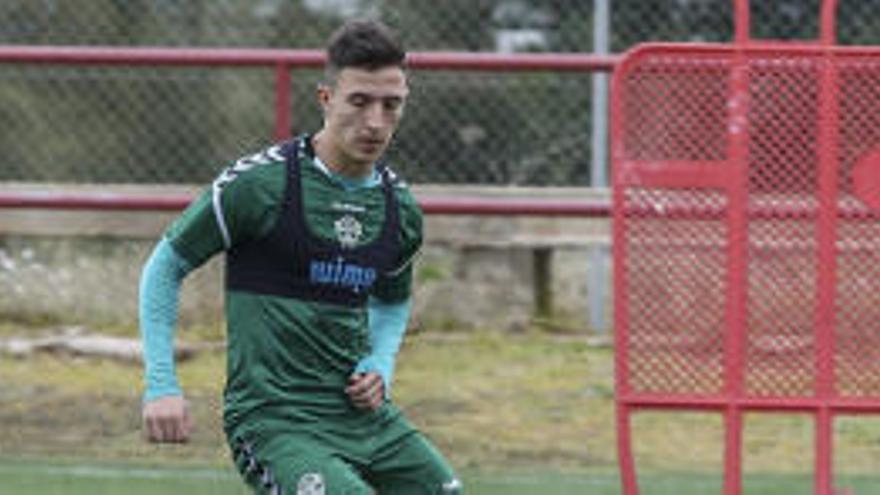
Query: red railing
{"x": 283, "y": 62}
{"x": 439, "y": 205}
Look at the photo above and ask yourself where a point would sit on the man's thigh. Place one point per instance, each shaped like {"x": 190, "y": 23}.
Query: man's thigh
{"x": 296, "y": 465}
{"x": 413, "y": 466}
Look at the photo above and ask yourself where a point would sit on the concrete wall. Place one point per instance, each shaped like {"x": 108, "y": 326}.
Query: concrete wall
{"x": 83, "y": 267}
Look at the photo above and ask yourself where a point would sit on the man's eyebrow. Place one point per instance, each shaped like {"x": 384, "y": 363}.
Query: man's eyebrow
{"x": 375, "y": 96}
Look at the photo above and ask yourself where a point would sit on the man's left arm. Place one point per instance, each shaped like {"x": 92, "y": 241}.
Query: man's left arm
{"x": 387, "y": 324}
{"x": 390, "y": 303}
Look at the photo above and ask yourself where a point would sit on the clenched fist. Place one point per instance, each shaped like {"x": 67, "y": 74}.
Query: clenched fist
{"x": 166, "y": 420}
{"x": 366, "y": 390}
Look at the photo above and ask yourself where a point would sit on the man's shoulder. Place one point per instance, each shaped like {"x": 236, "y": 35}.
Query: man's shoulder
{"x": 260, "y": 171}
{"x": 402, "y": 190}
{"x": 254, "y": 165}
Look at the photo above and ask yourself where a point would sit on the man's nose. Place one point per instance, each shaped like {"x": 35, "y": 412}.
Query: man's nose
{"x": 374, "y": 117}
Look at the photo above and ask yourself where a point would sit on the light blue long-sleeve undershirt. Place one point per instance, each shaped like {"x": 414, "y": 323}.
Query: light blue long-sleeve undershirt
{"x": 158, "y": 311}
{"x": 387, "y": 322}
{"x": 157, "y": 314}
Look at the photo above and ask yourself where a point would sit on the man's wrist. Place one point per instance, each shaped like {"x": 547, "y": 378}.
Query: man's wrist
{"x": 152, "y": 394}
{"x": 382, "y": 365}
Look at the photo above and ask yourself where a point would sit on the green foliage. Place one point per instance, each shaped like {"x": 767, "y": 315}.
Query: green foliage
{"x": 430, "y": 273}
{"x": 138, "y": 124}
{"x": 416, "y": 21}
{"x": 505, "y": 129}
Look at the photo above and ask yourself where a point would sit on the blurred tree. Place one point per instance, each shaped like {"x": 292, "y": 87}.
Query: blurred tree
{"x": 858, "y": 22}
{"x": 419, "y": 23}
{"x": 130, "y": 124}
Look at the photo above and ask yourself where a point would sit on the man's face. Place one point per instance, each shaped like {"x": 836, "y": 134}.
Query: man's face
{"x": 362, "y": 110}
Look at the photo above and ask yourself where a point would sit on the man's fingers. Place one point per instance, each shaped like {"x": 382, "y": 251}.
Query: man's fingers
{"x": 175, "y": 427}
{"x": 163, "y": 429}
{"x": 169, "y": 429}
{"x": 179, "y": 429}
{"x": 167, "y": 420}
{"x": 187, "y": 425}
{"x": 374, "y": 393}
{"x": 355, "y": 385}
{"x": 366, "y": 391}
{"x": 363, "y": 385}
{"x": 184, "y": 427}
{"x": 155, "y": 430}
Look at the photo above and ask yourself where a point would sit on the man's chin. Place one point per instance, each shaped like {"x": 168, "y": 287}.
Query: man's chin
{"x": 368, "y": 156}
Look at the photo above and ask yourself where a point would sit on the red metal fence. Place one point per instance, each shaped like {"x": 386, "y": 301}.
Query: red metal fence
{"x": 745, "y": 227}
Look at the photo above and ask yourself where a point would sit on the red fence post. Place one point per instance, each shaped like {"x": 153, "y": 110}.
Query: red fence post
{"x": 282, "y": 102}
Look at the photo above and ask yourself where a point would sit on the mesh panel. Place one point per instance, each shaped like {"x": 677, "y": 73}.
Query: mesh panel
{"x": 160, "y": 125}
{"x": 675, "y": 239}
{"x": 781, "y": 297}
{"x": 676, "y": 184}
{"x": 857, "y": 339}
{"x": 561, "y": 25}
{"x": 496, "y": 129}
{"x": 675, "y": 109}
{"x": 785, "y": 20}
{"x": 130, "y": 125}
{"x": 782, "y": 263}
{"x": 676, "y": 291}
{"x": 857, "y": 22}
{"x": 106, "y": 124}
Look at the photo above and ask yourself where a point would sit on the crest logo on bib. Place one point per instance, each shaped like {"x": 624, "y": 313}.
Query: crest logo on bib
{"x": 348, "y": 231}
{"x": 310, "y": 484}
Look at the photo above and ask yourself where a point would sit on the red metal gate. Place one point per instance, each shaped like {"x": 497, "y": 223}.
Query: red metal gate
{"x": 746, "y": 184}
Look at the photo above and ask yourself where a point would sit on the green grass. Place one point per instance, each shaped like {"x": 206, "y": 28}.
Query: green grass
{"x": 55, "y": 478}
{"x": 526, "y": 413}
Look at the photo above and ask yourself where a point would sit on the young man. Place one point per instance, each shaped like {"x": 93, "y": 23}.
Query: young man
{"x": 319, "y": 239}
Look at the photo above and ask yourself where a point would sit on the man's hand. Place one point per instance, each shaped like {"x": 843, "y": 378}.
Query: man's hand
{"x": 166, "y": 420}
{"x": 366, "y": 390}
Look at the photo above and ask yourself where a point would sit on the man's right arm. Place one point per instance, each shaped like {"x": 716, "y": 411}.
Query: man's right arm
{"x": 164, "y": 414}
{"x": 158, "y": 310}
{"x": 190, "y": 241}
{"x": 242, "y": 203}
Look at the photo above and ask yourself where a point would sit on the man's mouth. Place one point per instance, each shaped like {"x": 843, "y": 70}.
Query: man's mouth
{"x": 371, "y": 143}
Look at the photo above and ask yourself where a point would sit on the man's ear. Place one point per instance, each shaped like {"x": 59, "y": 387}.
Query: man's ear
{"x": 324, "y": 93}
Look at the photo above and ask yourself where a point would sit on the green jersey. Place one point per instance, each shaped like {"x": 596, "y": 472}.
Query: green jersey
{"x": 292, "y": 346}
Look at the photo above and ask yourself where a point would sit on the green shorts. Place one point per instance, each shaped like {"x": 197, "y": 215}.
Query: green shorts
{"x": 391, "y": 457}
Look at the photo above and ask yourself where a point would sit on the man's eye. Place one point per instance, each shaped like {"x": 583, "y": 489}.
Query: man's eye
{"x": 358, "y": 101}
{"x": 392, "y": 104}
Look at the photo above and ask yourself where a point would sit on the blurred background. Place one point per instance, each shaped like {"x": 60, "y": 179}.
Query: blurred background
{"x": 173, "y": 125}
{"x": 533, "y": 291}
{"x": 170, "y": 129}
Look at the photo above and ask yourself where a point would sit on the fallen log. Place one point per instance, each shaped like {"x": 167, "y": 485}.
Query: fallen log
{"x": 74, "y": 343}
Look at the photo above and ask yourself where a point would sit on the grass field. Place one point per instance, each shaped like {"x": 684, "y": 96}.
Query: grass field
{"x": 526, "y": 413}
{"x": 41, "y": 478}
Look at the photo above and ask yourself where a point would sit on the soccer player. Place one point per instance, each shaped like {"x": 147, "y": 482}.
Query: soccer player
{"x": 319, "y": 237}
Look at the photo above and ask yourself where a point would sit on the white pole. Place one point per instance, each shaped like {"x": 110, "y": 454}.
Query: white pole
{"x": 599, "y": 165}
{"x": 598, "y": 270}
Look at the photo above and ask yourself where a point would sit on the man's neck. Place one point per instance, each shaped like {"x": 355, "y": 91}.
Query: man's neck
{"x": 334, "y": 161}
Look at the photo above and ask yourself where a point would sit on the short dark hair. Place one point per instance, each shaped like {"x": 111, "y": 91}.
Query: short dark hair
{"x": 364, "y": 44}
